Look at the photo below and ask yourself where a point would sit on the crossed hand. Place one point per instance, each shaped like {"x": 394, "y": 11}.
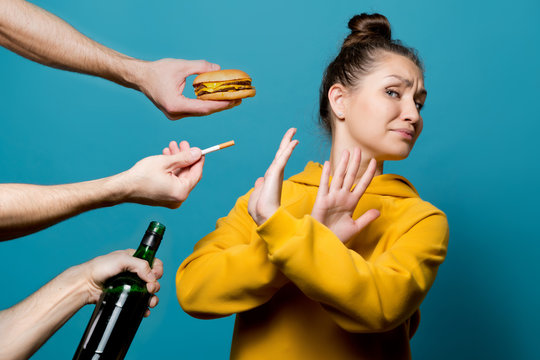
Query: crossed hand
{"x": 335, "y": 203}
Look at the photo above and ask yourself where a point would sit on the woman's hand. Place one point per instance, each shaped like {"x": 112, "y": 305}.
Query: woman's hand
{"x": 266, "y": 197}
{"x": 334, "y": 206}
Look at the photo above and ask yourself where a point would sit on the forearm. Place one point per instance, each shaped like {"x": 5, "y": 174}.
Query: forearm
{"x": 43, "y": 37}
{"x": 360, "y": 295}
{"x": 28, "y": 324}
{"x": 25, "y": 209}
{"x": 216, "y": 282}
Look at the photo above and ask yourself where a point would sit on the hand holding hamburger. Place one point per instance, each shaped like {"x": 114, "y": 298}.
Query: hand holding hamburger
{"x": 223, "y": 85}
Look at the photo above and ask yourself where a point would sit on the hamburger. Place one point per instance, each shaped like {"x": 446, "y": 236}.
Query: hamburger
{"x": 223, "y": 85}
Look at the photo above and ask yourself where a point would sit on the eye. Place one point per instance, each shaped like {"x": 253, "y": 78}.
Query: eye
{"x": 392, "y": 93}
{"x": 419, "y": 106}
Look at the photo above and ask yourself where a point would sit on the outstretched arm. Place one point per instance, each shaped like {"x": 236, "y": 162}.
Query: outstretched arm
{"x": 156, "y": 180}
{"x": 41, "y": 36}
{"x": 28, "y": 324}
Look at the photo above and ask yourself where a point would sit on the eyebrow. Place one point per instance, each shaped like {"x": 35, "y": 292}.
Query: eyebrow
{"x": 408, "y": 83}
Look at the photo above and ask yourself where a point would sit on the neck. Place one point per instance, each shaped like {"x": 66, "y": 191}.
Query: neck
{"x": 337, "y": 151}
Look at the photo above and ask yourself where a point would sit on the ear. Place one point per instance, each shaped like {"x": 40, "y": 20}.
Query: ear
{"x": 337, "y": 96}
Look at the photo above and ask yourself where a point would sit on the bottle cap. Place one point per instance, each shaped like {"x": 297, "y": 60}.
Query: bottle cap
{"x": 153, "y": 235}
{"x": 156, "y": 228}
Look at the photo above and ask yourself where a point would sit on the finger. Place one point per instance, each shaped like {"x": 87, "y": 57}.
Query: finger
{"x": 339, "y": 172}
{"x": 154, "y": 300}
{"x": 325, "y": 175}
{"x": 200, "y": 66}
{"x": 194, "y": 173}
{"x": 277, "y": 169}
{"x": 166, "y": 151}
{"x": 254, "y": 197}
{"x": 157, "y": 268}
{"x": 234, "y": 103}
{"x": 286, "y": 154}
{"x": 259, "y": 182}
{"x": 153, "y": 287}
{"x": 183, "y": 159}
{"x": 147, "y": 313}
{"x": 352, "y": 169}
{"x": 184, "y": 145}
{"x": 138, "y": 266}
{"x": 366, "y": 178}
{"x": 195, "y": 107}
{"x": 173, "y": 147}
{"x": 366, "y": 218}
{"x": 285, "y": 141}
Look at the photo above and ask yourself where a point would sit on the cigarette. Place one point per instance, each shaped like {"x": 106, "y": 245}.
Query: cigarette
{"x": 217, "y": 147}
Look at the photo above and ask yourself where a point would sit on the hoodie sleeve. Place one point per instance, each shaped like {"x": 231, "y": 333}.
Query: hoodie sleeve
{"x": 360, "y": 295}
{"x": 229, "y": 270}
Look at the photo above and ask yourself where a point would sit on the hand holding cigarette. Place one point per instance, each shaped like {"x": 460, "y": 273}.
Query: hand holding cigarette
{"x": 184, "y": 145}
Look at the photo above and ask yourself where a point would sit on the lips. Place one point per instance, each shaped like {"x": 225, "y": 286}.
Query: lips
{"x": 406, "y": 133}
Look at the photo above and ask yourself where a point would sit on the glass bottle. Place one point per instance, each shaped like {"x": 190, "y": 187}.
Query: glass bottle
{"x": 121, "y": 307}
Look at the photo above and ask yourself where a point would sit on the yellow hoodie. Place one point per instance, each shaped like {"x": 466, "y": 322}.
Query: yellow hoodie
{"x": 300, "y": 293}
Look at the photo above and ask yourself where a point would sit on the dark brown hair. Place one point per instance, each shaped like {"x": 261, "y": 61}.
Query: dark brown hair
{"x": 369, "y": 39}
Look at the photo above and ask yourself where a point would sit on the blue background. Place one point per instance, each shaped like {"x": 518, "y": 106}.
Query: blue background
{"x": 476, "y": 159}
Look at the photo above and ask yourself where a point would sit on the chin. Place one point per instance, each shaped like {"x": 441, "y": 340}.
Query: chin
{"x": 398, "y": 154}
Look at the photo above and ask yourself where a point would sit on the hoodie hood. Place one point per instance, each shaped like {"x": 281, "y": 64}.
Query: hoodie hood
{"x": 386, "y": 184}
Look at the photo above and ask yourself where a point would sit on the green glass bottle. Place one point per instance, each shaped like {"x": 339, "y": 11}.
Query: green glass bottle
{"x": 121, "y": 307}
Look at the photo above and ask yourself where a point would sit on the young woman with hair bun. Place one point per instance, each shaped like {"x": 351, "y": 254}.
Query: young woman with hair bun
{"x": 334, "y": 262}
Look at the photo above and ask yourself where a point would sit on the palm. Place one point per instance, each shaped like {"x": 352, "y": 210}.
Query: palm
{"x": 336, "y": 209}
{"x": 334, "y": 205}
{"x": 266, "y": 197}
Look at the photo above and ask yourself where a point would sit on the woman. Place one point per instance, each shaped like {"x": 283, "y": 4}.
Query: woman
{"x": 320, "y": 269}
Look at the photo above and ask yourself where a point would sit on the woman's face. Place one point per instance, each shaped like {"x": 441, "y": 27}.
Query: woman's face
{"x": 382, "y": 114}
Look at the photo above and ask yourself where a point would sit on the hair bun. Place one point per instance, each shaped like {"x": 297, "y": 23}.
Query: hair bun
{"x": 367, "y": 28}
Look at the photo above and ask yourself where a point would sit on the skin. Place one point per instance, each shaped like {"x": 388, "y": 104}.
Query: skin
{"x": 156, "y": 180}
{"x": 40, "y": 36}
{"x": 373, "y": 111}
{"x": 378, "y": 120}
{"x": 28, "y": 324}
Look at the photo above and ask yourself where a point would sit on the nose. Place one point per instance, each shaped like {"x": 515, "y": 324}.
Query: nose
{"x": 410, "y": 112}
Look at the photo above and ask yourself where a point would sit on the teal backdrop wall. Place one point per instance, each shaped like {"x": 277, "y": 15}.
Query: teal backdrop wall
{"x": 477, "y": 158}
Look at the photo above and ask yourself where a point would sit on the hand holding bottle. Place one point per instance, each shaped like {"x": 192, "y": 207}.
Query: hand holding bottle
{"x": 335, "y": 204}
{"x": 266, "y": 196}
{"x": 98, "y": 270}
{"x": 28, "y": 324}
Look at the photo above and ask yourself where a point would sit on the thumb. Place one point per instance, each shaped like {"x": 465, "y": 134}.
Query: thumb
{"x": 141, "y": 268}
{"x": 259, "y": 182}
{"x": 183, "y": 158}
{"x": 201, "y": 66}
{"x": 366, "y": 218}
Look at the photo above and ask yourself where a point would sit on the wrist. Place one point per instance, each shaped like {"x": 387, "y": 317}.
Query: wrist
{"x": 117, "y": 188}
{"x": 132, "y": 73}
{"x": 72, "y": 287}
{"x": 85, "y": 290}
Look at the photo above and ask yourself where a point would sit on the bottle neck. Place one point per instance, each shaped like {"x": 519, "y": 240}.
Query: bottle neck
{"x": 148, "y": 246}
{"x": 146, "y": 252}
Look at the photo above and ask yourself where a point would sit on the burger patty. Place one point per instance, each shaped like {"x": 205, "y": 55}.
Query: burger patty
{"x": 201, "y": 89}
